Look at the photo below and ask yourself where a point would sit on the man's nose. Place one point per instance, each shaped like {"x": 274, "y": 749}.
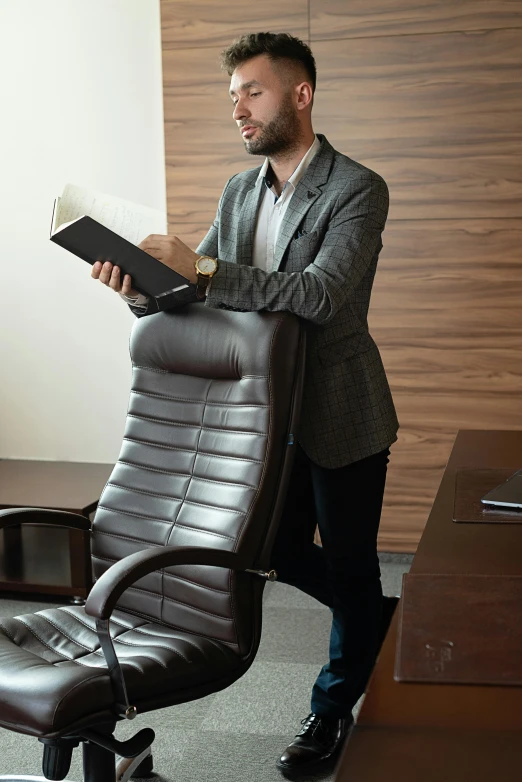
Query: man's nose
{"x": 240, "y": 110}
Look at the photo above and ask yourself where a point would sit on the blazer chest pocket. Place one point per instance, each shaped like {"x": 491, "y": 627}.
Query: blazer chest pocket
{"x": 301, "y": 251}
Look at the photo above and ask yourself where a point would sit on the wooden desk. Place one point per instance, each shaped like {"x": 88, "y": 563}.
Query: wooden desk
{"x": 43, "y": 558}
{"x": 432, "y": 732}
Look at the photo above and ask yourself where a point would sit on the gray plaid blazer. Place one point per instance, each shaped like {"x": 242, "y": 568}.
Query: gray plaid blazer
{"x": 324, "y": 264}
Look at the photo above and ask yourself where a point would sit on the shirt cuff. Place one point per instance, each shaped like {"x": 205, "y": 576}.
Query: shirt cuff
{"x": 140, "y": 300}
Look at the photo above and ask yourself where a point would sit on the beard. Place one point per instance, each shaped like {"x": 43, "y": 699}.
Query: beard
{"x": 280, "y": 136}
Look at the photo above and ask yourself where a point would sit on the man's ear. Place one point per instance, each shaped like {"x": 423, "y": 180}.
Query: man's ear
{"x": 304, "y": 95}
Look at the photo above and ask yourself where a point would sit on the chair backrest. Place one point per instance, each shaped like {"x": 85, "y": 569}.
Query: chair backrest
{"x": 204, "y": 461}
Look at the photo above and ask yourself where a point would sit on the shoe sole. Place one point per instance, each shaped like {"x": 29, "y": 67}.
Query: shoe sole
{"x": 327, "y": 764}
{"x": 301, "y": 772}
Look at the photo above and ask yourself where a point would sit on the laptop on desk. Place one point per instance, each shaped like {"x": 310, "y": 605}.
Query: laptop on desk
{"x": 507, "y": 495}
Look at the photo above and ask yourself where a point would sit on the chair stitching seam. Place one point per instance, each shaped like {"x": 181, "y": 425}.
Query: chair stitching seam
{"x": 181, "y": 629}
{"x": 134, "y": 515}
{"x": 181, "y": 475}
{"x": 152, "y": 369}
{"x": 179, "y": 638}
{"x": 146, "y": 493}
{"x": 91, "y": 651}
{"x": 149, "y": 657}
{"x": 179, "y": 602}
{"x": 194, "y": 608}
{"x": 196, "y": 402}
{"x": 152, "y": 469}
{"x": 8, "y": 634}
{"x": 157, "y": 646}
{"x": 152, "y": 635}
{"x": 213, "y": 507}
{"x": 170, "y": 600}
{"x": 190, "y": 451}
{"x": 88, "y": 626}
{"x": 127, "y": 537}
{"x": 206, "y": 531}
{"x": 195, "y": 583}
{"x": 61, "y": 654}
{"x": 192, "y": 426}
{"x": 169, "y": 575}
{"x": 176, "y": 499}
{"x": 163, "y": 496}
{"x": 157, "y": 545}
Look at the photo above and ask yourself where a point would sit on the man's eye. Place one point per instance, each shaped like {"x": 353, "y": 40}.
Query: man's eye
{"x": 254, "y": 94}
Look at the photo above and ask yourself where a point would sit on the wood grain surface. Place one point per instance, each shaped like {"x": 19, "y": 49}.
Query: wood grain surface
{"x": 193, "y": 23}
{"x": 446, "y": 316}
{"x": 432, "y": 103}
{"x": 358, "y": 18}
{"x": 203, "y": 146}
{"x": 439, "y": 117}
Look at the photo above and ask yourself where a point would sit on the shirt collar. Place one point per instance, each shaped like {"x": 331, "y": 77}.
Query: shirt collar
{"x": 299, "y": 171}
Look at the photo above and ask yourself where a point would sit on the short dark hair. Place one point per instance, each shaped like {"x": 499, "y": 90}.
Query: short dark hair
{"x": 278, "y": 46}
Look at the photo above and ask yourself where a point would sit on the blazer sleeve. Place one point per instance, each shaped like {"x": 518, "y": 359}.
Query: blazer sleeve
{"x": 352, "y": 238}
{"x": 209, "y": 246}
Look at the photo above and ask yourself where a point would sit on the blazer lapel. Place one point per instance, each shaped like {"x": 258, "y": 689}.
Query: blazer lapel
{"x": 303, "y": 198}
{"x": 306, "y": 194}
{"x": 246, "y": 225}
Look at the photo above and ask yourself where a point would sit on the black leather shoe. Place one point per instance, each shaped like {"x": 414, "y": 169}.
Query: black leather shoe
{"x": 316, "y": 746}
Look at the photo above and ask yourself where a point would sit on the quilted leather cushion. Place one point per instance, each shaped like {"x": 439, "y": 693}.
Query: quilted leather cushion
{"x": 53, "y": 673}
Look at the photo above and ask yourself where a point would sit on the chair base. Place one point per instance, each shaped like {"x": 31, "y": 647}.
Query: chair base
{"x": 103, "y": 771}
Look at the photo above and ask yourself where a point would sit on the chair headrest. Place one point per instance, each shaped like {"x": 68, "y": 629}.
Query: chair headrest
{"x": 204, "y": 342}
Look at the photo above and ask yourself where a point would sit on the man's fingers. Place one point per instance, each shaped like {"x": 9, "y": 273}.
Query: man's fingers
{"x": 111, "y": 276}
{"x": 158, "y": 245}
{"x": 114, "y": 281}
{"x": 127, "y": 288}
{"x": 105, "y": 273}
{"x": 155, "y": 239}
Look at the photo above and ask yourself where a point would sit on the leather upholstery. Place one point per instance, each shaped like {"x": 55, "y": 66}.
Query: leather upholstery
{"x": 60, "y": 672}
{"x": 214, "y": 397}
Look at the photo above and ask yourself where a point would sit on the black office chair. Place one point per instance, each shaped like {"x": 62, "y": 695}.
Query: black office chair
{"x": 180, "y": 542}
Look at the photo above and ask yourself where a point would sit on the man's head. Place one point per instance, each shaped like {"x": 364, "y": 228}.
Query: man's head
{"x": 273, "y": 78}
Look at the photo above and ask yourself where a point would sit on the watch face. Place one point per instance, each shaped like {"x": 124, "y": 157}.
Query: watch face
{"x": 207, "y": 265}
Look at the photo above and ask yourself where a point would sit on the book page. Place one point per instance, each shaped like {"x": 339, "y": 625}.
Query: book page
{"x": 132, "y": 221}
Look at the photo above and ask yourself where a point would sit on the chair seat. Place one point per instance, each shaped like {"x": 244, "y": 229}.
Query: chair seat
{"x": 53, "y": 674}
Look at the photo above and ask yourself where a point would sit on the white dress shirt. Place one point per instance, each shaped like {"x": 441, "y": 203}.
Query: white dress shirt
{"x": 272, "y": 209}
{"x": 271, "y": 212}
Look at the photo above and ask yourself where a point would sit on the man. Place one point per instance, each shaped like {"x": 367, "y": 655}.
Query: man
{"x": 303, "y": 233}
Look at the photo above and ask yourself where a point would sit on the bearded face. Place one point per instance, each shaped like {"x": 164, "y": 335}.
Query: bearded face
{"x": 279, "y": 135}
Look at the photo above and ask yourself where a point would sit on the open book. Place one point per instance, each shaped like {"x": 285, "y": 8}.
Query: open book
{"x": 98, "y": 227}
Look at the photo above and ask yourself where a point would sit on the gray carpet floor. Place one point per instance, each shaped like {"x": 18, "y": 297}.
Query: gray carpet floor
{"x": 235, "y": 735}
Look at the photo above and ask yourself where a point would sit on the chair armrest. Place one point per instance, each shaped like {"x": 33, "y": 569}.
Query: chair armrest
{"x": 112, "y": 584}
{"x": 60, "y": 518}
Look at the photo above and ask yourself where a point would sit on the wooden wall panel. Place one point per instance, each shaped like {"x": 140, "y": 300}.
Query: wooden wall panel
{"x": 196, "y": 23}
{"x": 431, "y": 102}
{"x": 203, "y": 146}
{"x": 438, "y": 116}
{"x": 446, "y": 315}
{"x": 331, "y": 19}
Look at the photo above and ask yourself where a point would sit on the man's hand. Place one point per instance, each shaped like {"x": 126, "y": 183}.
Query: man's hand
{"x": 173, "y": 253}
{"x": 110, "y": 275}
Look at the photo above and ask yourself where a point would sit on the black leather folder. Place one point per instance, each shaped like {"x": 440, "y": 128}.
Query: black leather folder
{"x": 91, "y": 241}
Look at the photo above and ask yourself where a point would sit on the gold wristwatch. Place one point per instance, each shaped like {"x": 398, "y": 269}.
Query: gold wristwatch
{"x": 206, "y": 267}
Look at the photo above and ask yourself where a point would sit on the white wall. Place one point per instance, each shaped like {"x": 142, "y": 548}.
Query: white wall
{"x": 81, "y": 102}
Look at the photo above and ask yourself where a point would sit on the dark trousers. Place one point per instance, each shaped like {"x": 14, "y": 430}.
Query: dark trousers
{"x": 343, "y": 573}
